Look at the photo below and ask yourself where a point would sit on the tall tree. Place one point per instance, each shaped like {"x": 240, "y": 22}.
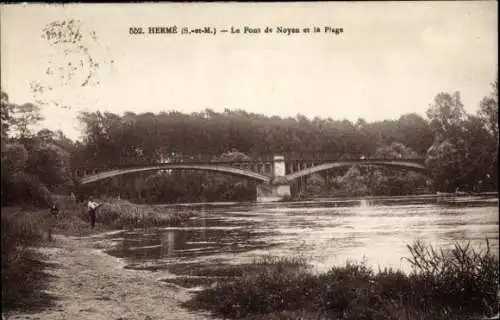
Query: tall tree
{"x": 447, "y": 116}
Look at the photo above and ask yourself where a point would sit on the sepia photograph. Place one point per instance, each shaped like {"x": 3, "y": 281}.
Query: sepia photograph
{"x": 225, "y": 160}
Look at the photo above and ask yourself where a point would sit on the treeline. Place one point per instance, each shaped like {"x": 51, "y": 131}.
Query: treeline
{"x": 110, "y": 139}
{"x": 461, "y": 149}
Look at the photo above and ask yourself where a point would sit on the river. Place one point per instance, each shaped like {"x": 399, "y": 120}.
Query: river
{"x": 325, "y": 232}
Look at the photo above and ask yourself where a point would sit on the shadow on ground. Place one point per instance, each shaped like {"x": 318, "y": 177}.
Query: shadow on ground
{"x": 27, "y": 288}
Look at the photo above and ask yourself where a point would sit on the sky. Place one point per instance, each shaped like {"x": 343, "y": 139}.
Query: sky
{"x": 392, "y": 58}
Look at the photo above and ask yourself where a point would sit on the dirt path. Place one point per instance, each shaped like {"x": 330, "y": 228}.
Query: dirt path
{"x": 90, "y": 284}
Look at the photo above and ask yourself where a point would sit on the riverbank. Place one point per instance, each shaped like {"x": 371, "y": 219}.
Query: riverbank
{"x": 417, "y": 196}
{"x": 86, "y": 283}
{"x": 460, "y": 284}
{"x": 53, "y": 278}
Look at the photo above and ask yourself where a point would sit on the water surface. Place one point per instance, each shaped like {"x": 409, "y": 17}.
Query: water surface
{"x": 326, "y": 232}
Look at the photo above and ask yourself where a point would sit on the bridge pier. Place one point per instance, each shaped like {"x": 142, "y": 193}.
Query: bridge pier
{"x": 279, "y": 188}
{"x": 268, "y": 192}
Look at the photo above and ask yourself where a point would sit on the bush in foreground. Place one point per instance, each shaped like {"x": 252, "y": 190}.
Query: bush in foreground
{"x": 456, "y": 284}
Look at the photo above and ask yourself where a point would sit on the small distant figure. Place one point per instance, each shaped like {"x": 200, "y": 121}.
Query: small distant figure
{"x": 54, "y": 212}
{"x": 92, "y": 207}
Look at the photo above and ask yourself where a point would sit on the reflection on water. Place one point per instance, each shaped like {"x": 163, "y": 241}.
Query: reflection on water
{"x": 326, "y": 232}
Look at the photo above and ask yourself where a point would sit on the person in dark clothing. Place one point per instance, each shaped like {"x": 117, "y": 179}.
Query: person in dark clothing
{"x": 54, "y": 211}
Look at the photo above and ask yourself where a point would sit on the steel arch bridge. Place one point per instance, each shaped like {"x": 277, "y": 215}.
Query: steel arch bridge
{"x": 260, "y": 171}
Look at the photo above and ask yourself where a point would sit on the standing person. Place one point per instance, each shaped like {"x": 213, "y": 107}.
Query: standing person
{"x": 72, "y": 197}
{"x": 54, "y": 211}
{"x": 92, "y": 207}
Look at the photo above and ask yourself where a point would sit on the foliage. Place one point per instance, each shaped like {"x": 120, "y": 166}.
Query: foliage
{"x": 442, "y": 160}
{"x": 23, "y": 117}
{"x": 488, "y": 111}
{"x": 447, "y": 114}
{"x": 51, "y": 164}
{"x": 23, "y": 188}
{"x": 14, "y": 157}
{"x": 32, "y": 163}
{"x": 354, "y": 182}
{"x": 144, "y": 138}
{"x": 18, "y": 185}
{"x": 465, "y": 149}
{"x": 22, "y": 281}
{"x": 376, "y": 180}
{"x": 5, "y": 113}
{"x": 461, "y": 279}
{"x": 396, "y": 150}
{"x": 455, "y": 284}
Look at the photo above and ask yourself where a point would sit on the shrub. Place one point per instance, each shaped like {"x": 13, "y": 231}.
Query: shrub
{"x": 462, "y": 279}
{"x": 20, "y": 187}
{"x": 20, "y": 231}
{"x": 14, "y": 157}
{"x": 272, "y": 284}
{"x": 456, "y": 284}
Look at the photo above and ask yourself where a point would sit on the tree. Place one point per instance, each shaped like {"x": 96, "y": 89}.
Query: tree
{"x": 385, "y": 180}
{"x": 447, "y": 116}
{"x": 442, "y": 160}
{"x": 414, "y": 132}
{"x": 23, "y": 117}
{"x": 354, "y": 182}
{"x": 6, "y": 117}
{"x": 453, "y": 157}
{"x": 51, "y": 164}
{"x": 488, "y": 115}
{"x": 488, "y": 112}
{"x": 46, "y": 136}
{"x": 234, "y": 155}
{"x": 14, "y": 157}
{"x": 395, "y": 151}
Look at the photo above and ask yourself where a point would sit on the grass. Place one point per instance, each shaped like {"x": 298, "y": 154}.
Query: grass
{"x": 123, "y": 214}
{"x": 461, "y": 283}
{"x": 114, "y": 214}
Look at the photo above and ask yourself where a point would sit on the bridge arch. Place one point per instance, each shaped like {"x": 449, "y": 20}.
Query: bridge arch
{"x": 327, "y": 166}
{"x": 199, "y": 167}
